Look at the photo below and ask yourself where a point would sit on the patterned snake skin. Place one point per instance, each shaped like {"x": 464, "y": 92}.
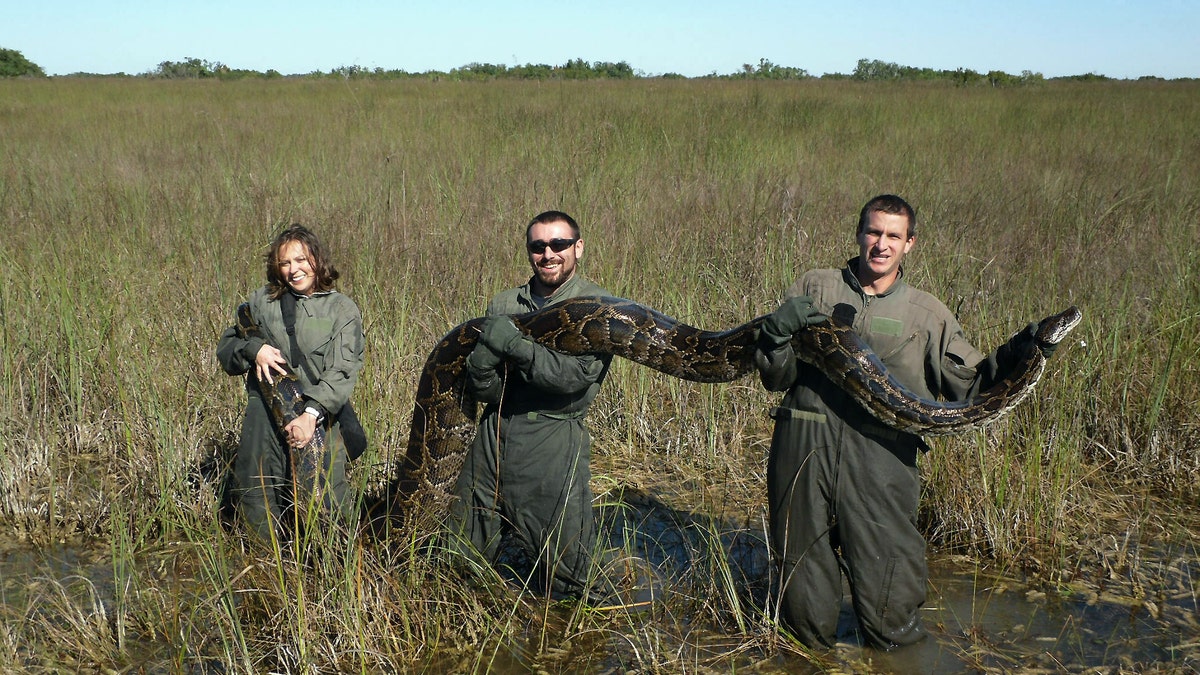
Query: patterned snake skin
{"x": 285, "y": 400}
{"x": 443, "y": 419}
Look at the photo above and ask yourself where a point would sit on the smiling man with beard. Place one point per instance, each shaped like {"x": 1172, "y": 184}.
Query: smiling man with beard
{"x": 528, "y": 468}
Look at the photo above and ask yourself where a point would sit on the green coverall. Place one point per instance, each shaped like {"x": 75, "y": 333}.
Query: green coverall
{"x": 839, "y": 480}
{"x": 528, "y": 468}
{"x": 329, "y": 334}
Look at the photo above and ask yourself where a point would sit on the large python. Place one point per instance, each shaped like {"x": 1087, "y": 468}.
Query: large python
{"x": 443, "y": 418}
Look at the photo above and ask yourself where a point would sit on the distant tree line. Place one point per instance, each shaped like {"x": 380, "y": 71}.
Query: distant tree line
{"x": 869, "y": 70}
{"x": 765, "y": 70}
{"x": 14, "y": 64}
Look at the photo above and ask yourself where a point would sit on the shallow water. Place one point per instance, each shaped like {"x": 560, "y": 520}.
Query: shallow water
{"x": 979, "y": 619}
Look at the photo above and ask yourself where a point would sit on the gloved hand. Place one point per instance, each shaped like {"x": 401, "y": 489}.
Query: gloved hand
{"x": 500, "y": 334}
{"x": 483, "y": 357}
{"x": 1030, "y": 334}
{"x": 795, "y": 313}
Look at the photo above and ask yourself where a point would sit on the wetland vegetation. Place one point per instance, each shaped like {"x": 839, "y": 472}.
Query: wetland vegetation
{"x": 135, "y": 213}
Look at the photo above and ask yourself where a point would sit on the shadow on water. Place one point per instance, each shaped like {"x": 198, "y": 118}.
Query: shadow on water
{"x": 979, "y": 620}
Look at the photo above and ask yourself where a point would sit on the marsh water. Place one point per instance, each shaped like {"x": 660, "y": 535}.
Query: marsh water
{"x": 980, "y": 619}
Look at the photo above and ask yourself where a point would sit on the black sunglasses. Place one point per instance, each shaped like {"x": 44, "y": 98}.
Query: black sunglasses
{"x": 556, "y": 245}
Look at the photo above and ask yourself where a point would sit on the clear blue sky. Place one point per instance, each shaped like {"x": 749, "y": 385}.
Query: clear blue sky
{"x": 1117, "y": 38}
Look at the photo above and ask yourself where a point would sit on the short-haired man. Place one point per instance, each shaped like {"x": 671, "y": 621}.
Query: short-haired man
{"x": 528, "y": 468}
{"x": 842, "y": 487}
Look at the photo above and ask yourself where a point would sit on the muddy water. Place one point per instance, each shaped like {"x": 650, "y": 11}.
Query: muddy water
{"x": 980, "y": 620}
{"x": 31, "y": 579}
{"x": 1136, "y": 617}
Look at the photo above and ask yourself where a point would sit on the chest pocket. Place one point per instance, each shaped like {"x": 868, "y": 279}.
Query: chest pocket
{"x": 316, "y": 339}
{"x": 887, "y": 337}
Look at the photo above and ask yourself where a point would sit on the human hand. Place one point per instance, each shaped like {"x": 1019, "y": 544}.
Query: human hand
{"x": 795, "y": 313}
{"x": 299, "y": 432}
{"x": 500, "y": 334}
{"x": 269, "y": 359}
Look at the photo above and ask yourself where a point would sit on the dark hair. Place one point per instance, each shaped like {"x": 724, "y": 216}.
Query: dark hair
{"x": 322, "y": 265}
{"x": 888, "y": 204}
{"x": 552, "y": 217}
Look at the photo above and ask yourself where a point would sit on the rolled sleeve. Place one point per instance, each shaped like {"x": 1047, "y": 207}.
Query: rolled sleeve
{"x": 558, "y": 373}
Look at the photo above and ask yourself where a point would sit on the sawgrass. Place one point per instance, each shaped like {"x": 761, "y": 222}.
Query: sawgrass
{"x": 135, "y": 214}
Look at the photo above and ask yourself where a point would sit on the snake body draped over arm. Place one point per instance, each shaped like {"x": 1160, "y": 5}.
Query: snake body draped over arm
{"x": 443, "y": 418}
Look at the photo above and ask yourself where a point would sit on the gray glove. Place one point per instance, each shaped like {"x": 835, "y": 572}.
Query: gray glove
{"x": 500, "y": 334}
{"x": 1030, "y": 335}
{"x": 794, "y": 314}
{"x": 483, "y": 358}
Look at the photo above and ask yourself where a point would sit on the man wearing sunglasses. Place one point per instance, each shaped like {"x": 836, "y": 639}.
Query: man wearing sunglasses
{"x": 528, "y": 469}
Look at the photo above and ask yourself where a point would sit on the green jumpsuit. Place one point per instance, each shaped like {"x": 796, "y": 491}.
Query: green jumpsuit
{"x": 528, "y": 468}
{"x": 329, "y": 334}
{"x": 838, "y": 480}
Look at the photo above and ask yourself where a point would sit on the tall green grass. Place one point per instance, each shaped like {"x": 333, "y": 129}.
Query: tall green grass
{"x": 135, "y": 214}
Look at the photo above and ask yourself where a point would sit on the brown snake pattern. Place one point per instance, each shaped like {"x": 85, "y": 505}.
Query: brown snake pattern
{"x": 443, "y": 418}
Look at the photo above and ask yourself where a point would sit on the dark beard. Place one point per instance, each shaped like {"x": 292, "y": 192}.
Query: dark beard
{"x": 550, "y": 285}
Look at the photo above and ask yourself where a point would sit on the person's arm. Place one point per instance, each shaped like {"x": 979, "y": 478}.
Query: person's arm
{"x": 994, "y": 367}
{"x": 540, "y": 366}
{"x": 558, "y": 373}
{"x": 235, "y": 353}
{"x": 238, "y": 352}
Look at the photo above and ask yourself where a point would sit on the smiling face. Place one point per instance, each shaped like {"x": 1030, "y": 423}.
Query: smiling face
{"x": 883, "y": 242}
{"x": 295, "y": 266}
{"x": 554, "y": 249}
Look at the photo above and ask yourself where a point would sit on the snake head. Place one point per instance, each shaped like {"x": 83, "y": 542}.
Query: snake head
{"x": 1055, "y": 327}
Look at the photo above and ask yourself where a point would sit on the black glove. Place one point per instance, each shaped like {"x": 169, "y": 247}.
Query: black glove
{"x": 1030, "y": 335}
{"x": 500, "y": 334}
{"x": 795, "y": 313}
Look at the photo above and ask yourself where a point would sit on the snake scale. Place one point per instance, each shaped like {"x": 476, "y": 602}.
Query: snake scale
{"x": 443, "y": 418}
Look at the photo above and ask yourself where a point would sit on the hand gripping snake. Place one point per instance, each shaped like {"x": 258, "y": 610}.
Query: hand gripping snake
{"x": 443, "y": 418}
